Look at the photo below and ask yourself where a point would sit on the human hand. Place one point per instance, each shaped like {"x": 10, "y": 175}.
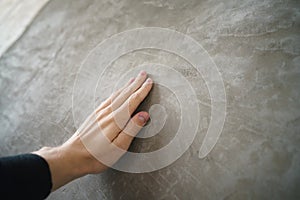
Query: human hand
{"x": 108, "y": 127}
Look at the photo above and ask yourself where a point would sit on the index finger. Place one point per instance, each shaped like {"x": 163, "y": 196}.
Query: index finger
{"x": 137, "y": 97}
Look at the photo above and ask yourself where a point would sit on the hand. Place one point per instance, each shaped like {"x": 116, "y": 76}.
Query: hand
{"x": 110, "y": 124}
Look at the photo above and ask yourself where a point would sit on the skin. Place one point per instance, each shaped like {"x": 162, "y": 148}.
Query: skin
{"x": 72, "y": 160}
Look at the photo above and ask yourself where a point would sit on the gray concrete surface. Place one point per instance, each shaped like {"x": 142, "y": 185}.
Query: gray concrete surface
{"x": 255, "y": 44}
{"x": 15, "y": 16}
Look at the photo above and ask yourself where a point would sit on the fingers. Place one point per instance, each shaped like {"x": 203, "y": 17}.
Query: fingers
{"x": 112, "y": 119}
{"x": 116, "y": 94}
{"x": 128, "y": 91}
{"x": 112, "y": 97}
{"x": 123, "y": 114}
{"x": 124, "y": 139}
{"x": 136, "y": 98}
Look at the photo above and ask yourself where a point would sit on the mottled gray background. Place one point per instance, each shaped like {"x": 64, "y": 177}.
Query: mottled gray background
{"x": 255, "y": 44}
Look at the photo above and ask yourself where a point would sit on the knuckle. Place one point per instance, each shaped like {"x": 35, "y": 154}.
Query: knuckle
{"x": 104, "y": 122}
{"x": 103, "y": 113}
{"x": 101, "y": 125}
{"x": 127, "y": 90}
{"x": 114, "y": 121}
{"x": 136, "y": 97}
{"x": 122, "y": 142}
{"x": 108, "y": 110}
{"x": 100, "y": 115}
{"x": 111, "y": 118}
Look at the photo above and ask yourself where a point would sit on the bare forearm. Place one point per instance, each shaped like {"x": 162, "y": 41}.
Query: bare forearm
{"x": 67, "y": 162}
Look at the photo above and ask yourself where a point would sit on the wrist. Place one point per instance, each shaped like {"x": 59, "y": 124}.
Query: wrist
{"x": 62, "y": 165}
{"x": 69, "y": 161}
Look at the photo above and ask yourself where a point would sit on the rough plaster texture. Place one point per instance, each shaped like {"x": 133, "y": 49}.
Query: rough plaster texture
{"x": 15, "y": 16}
{"x": 255, "y": 45}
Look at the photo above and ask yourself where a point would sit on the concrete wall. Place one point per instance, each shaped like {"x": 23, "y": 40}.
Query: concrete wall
{"x": 255, "y": 45}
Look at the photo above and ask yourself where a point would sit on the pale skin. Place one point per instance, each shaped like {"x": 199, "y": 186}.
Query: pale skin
{"x": 72, "y": 160}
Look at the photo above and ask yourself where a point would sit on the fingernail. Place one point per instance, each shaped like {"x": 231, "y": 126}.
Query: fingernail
{"x": 149, "y": 80}
{"x": 142, "y": 118}
{"x": 131, "y": 80}
{"x": 143, "y": 73}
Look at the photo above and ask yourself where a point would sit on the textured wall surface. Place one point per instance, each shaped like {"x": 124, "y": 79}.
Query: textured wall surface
{"x": 15, "y": 16}
{"x": 255, "y": 44}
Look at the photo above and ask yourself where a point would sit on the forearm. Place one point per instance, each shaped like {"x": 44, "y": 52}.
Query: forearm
{"x": 68, "y": 162}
